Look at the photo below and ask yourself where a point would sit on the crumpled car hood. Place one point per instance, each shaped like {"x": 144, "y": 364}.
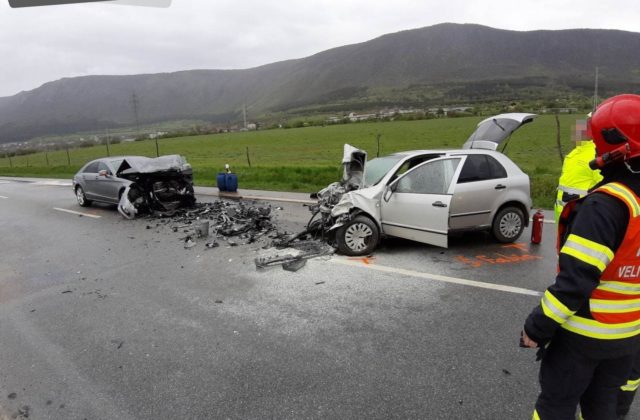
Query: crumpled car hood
{"x": 160, "y": 185}
{"x": 143, "y": 165}
{"x": 353, "y": 163}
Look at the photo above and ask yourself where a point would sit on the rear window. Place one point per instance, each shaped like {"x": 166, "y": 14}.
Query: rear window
{"x": 497, "y": 170}
{"x": 480, "y": 168}
{"x": 92, "y": 168}
{"x": 103, "y": 167}
{"x": 494, "y": 130}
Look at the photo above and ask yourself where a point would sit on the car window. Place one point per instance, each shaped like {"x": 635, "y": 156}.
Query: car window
{"x": 92, "y": 168}
{"x": 481, "y": 168}
{"x": 430, "y": 178}
{"x": 497, "y": 170}
{"x": 411, "y": 163}
{"x": 103, "y": 167}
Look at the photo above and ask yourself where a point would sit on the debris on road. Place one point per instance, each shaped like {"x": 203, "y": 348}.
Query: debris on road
{"x": 245, "y": 222}
{"x": 326, "y": 215}
{"x": 23, "y": 412}
{"x": 119, "y": 343}
{"x": 293, "y": 257}
{"x": 295, "y": 265}
{"x": 189, "y": 243}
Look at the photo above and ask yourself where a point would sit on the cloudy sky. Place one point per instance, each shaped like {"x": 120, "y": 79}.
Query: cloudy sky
{"x": 40, "y": 44}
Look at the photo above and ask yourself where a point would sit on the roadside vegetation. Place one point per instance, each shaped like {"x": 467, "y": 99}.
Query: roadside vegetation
{"x": 308, "y": 158}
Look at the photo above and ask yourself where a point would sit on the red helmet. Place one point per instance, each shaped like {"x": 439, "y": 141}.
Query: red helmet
{"x": 616, "y": 122}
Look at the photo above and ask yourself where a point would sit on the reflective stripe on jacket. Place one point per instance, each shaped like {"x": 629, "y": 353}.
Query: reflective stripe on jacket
{"x": 577, "y": 178}
{"x": 615, "y": 303}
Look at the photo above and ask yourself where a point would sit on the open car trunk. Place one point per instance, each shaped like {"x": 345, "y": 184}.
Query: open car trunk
{"x": 158, "y": 185}
{"x": 495, "y": 131}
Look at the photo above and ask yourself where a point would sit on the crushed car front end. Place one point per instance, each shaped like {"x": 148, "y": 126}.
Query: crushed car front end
{"x": 158, "y": 186}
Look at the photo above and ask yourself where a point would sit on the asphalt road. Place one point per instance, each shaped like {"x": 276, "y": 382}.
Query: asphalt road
{"x": 106, "y": 318}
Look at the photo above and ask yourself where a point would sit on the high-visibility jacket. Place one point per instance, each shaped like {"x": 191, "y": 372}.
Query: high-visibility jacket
{"x": 577, "y": 178}
{"x": 614, "y": 304}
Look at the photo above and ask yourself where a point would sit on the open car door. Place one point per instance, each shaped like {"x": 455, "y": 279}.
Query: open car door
{"x": 416, "y": 206}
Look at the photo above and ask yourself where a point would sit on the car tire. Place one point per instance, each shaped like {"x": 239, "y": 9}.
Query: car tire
{"x": 82, "y": 199}
{"x": 359, "y": 236}
{"x": 508, "y": 224}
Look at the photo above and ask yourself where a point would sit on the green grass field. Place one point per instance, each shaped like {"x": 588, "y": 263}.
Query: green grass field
{"x": 307, "y": 159}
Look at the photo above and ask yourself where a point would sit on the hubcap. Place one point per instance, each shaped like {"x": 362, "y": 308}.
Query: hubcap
{"x": 356, "y": 236}
{"x": 80, "y": 196}
{"x": 510, "y": 225}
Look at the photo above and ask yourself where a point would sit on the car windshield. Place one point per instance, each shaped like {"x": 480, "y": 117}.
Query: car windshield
{"x": 115, "y": 163}
{"x": 377, "y": 168}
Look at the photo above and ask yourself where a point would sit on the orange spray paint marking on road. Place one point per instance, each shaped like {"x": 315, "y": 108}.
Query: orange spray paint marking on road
{"x": 500, "y": 258}
{"x": 363, "y": 260}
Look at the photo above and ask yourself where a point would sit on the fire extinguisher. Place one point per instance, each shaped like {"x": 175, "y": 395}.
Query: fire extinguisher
{"x": 536, "y": 228}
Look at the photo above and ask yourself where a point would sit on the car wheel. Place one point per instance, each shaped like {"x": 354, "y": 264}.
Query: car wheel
{"x": 508, "y": 224}
{"x": 359, "y": 236}
{"x": 82, "y": 199}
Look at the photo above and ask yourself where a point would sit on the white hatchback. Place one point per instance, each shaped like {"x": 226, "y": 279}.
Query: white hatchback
{"x": 425, "y": 195}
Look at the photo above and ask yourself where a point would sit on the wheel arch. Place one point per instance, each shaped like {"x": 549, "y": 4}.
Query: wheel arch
{"x": 359, "y": 212}
{"x": 513, "y": 203}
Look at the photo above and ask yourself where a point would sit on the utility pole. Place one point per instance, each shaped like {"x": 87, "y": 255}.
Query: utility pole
{"x": 108, "y": 141}
{"x": 68, "y": 157}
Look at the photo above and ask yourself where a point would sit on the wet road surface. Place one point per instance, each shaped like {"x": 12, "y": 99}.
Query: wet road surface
{"x": 105, "y": 318}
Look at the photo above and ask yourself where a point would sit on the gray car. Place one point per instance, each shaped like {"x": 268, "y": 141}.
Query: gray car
{"x": 96, "y": 181}
{"x": 137, "y": 184}
{"x": 425, "y": 195}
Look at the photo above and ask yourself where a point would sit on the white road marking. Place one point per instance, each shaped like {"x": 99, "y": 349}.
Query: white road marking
{"x": 54, "y": 183}
{"x": 5, "y": 182}
{"x": 94, "y": 216}
{"x": 2, "y": 196}
{"x": 437, "y": 277}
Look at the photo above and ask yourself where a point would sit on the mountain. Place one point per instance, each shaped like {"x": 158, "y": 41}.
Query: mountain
{"x": 460, "y": 61}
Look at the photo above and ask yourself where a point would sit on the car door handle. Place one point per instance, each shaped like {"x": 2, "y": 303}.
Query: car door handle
{"x": 439, "y": 204}
{"x": 500, "y": 187}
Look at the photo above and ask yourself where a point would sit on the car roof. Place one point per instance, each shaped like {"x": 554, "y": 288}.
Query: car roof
{"x": 445, "y": 152}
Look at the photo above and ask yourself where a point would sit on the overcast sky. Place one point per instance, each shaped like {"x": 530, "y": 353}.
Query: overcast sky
{"x": 41, "y": 44}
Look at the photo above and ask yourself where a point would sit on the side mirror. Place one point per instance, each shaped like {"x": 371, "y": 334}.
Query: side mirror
{"x": 388, "y": 191}
{"x": 103, "y": 172}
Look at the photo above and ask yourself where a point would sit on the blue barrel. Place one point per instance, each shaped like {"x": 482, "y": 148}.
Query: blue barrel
{"x": 232, "y": 182}
{"x": 221, "y": 180}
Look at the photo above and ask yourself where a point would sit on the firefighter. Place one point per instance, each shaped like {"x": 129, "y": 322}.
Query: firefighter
{"x": 587, "y": 325}
{"x": 577, "y": 178}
